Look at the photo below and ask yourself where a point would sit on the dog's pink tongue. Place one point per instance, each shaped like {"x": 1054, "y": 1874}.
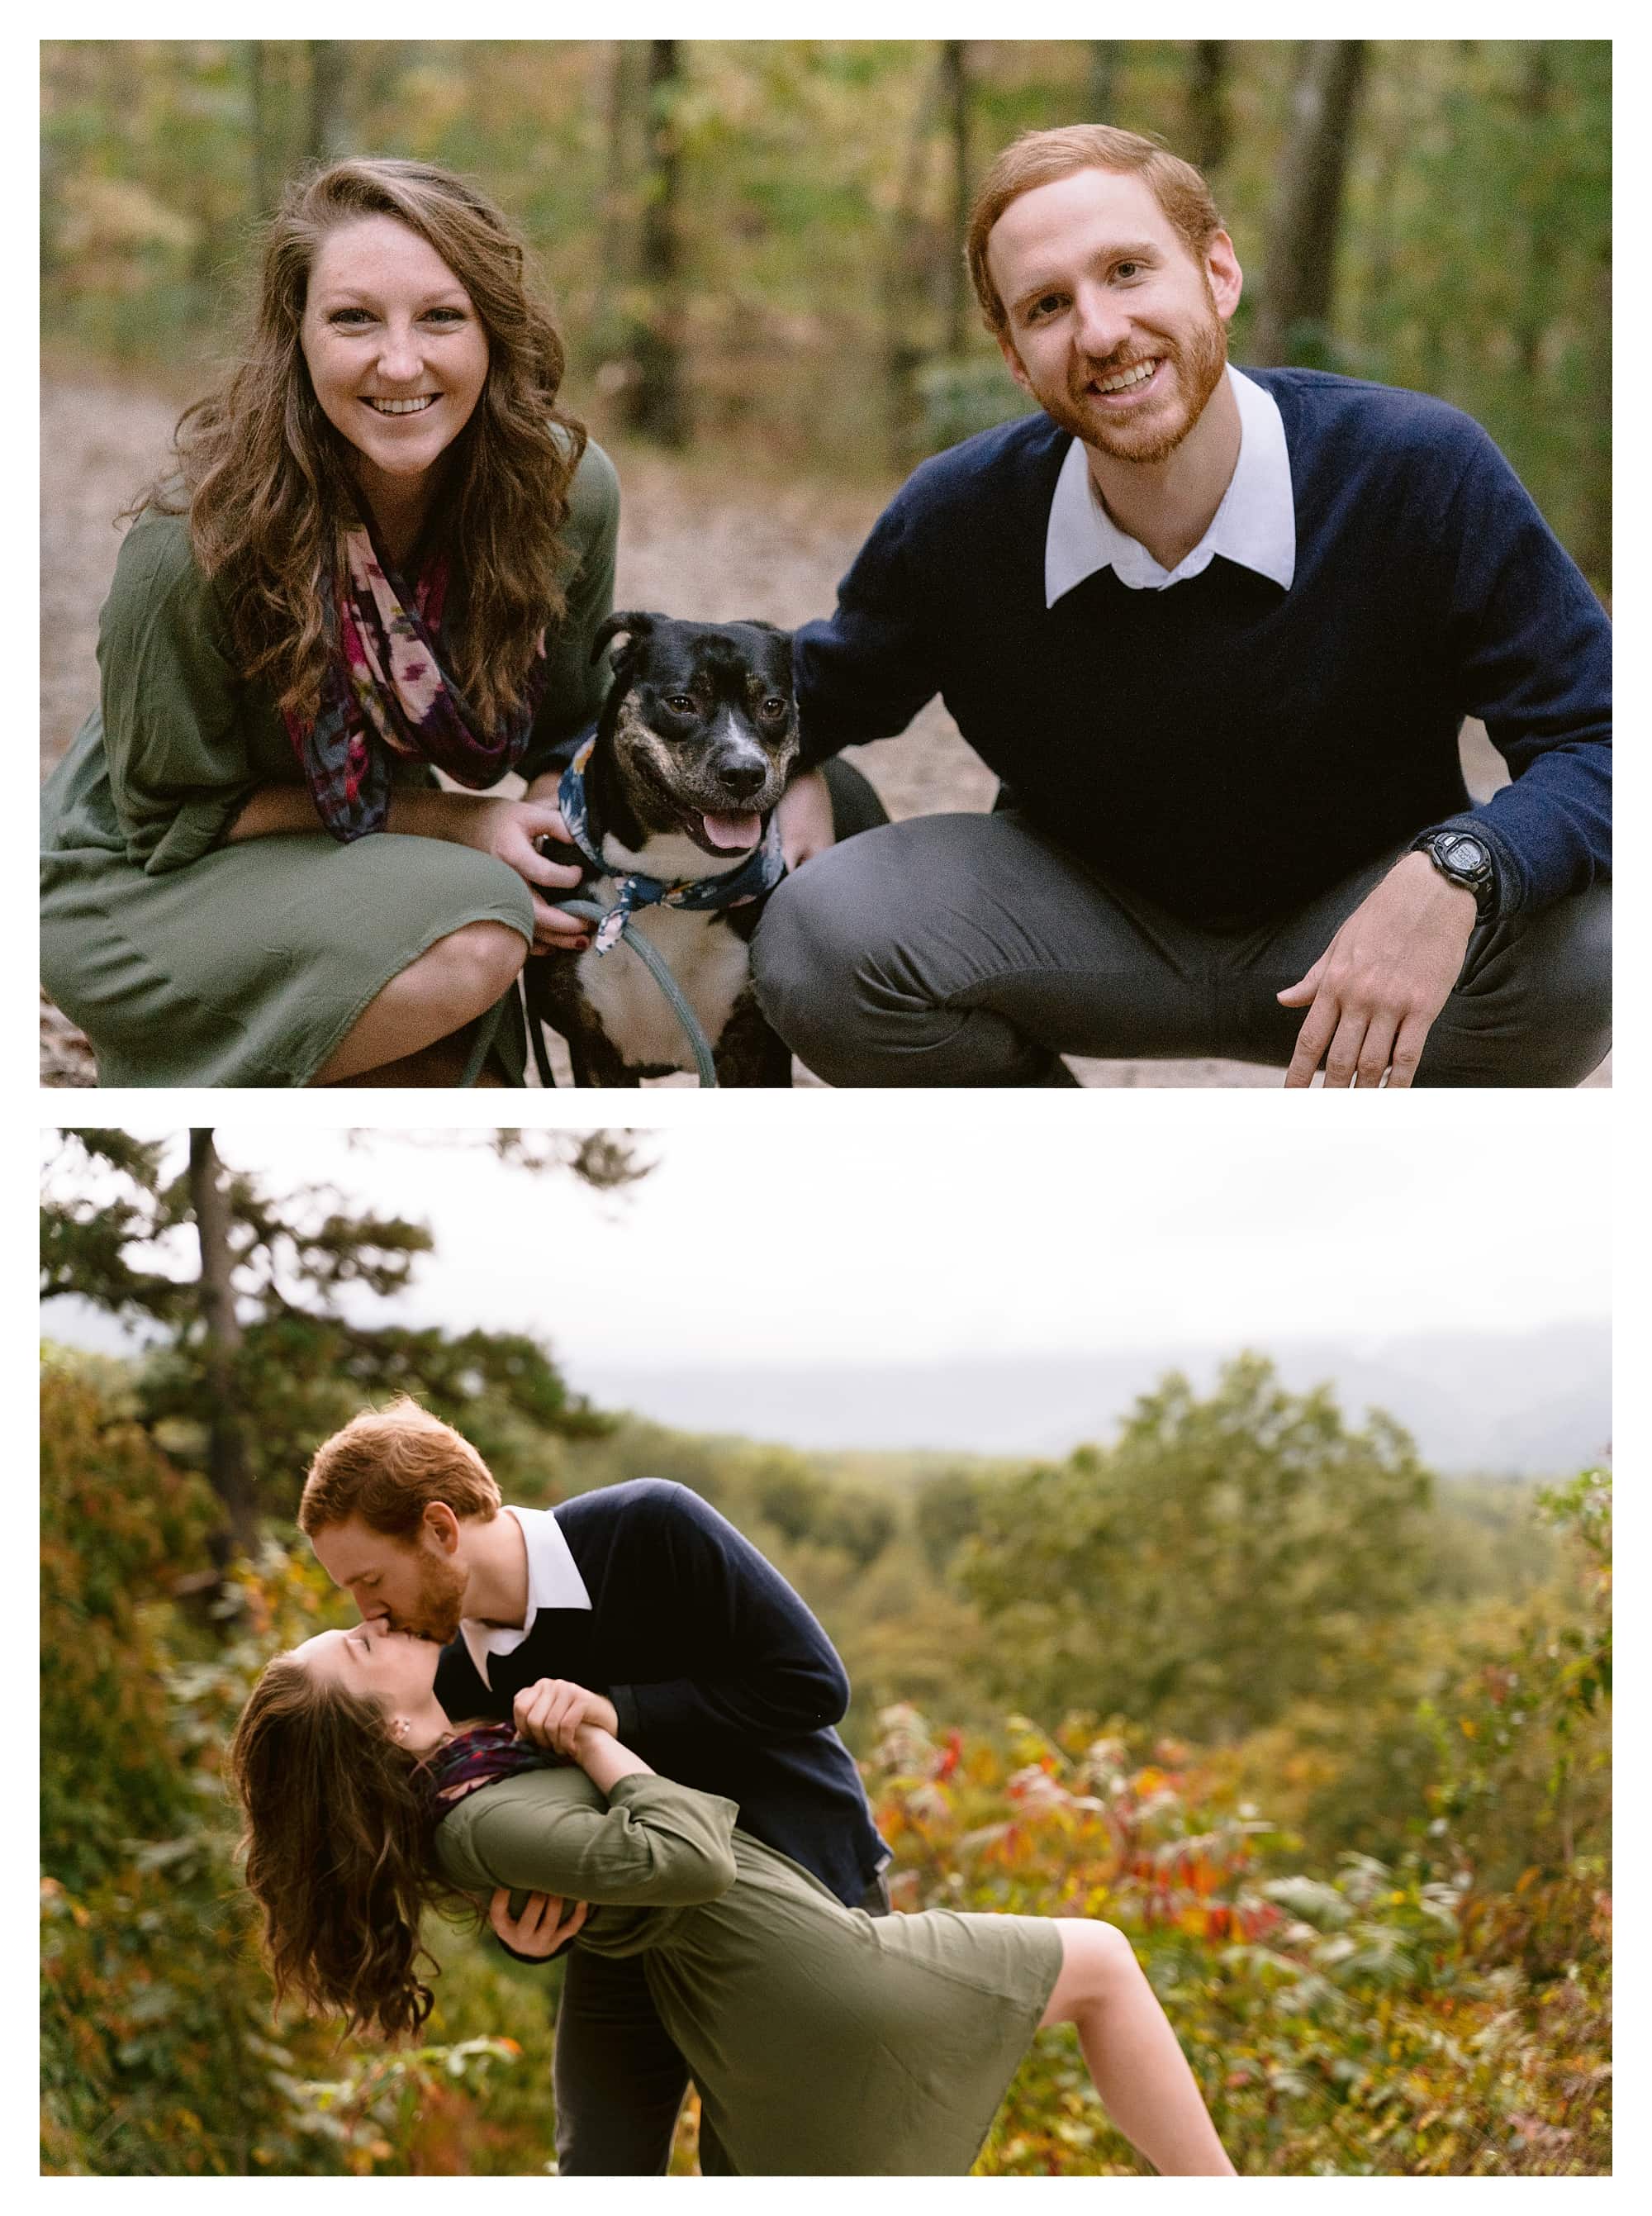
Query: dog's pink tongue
{"x": 733, "y": 832}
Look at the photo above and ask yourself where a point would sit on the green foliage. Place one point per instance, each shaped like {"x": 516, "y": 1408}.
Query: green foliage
{"x": 159, "y": 2056}
{"x": 118, "y": 1525}
{"x": 154, "y": 2060}
{"x": 1224, "y": 1557}
{"x": 782, "y": 1500}
{"x": 1523, "y": 1780}
{"x": 946, "y": 1512}
{"x": 961, "y": 396}
{"x": 1368, "y": 2022}
{"x": 805, "y": 1510}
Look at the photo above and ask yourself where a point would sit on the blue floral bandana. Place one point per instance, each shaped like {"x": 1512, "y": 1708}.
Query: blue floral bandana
{"x": 759, "y": 873}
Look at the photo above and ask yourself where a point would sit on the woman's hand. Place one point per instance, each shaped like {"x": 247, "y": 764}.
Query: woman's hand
{"x": 508, "y": 829}
{"x": 604, "y": 1760}
{"x": 553, "y": 1712}
{"x": 541, "y": 1927}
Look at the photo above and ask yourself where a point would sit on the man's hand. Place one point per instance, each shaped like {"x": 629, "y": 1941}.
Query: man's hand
{"x": 552, "y": 1712}
{"x": 804, "y": 814}
{"x": 1378, "y": 986}
{"x": 541, "y": 1927}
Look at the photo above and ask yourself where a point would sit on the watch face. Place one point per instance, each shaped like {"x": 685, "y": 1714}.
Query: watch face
{"x": 1465, "y": 853}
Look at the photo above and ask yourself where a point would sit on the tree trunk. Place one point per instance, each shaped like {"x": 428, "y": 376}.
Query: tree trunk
{"x": 324, "y": 133}
{"x": 955, "y": 67}
{"x": 624, "y": 127}
{"x": 1102, "y": 92}
{"x": 1293, "y": 322}
{"x": 1543, "y": 250}
{"x": 227, "y": 1446}
{"x": 1594, "y": 550}
{"x": 261, "y": 166}
{"x": 1209, "y": 133}
{"x": 656, "y": 403}
{"x": 903, "y": 283}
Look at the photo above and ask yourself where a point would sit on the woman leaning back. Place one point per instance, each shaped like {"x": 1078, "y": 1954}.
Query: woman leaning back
{"x": 823, "y": 2041}
{"x": 381, "y": 547}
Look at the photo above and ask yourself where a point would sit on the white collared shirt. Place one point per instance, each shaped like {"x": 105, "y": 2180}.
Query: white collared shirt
{"x": 554, "y": 1581}
{"x": 1255, "y": 526}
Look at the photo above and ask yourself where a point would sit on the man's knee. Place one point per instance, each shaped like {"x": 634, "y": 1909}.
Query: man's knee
{"x": 1537, "y": 1007}
{"x": 806, "y": 949}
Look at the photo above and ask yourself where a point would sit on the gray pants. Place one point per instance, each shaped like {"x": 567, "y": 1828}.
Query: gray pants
{"x": 619, "y": 2080}
{"x": 970, "y": 949}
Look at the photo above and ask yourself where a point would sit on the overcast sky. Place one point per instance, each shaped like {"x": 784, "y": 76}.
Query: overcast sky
{"x": 907, "y": 1236}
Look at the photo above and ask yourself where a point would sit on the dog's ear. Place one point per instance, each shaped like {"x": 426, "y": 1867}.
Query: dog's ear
{"x": 632, "y": 622}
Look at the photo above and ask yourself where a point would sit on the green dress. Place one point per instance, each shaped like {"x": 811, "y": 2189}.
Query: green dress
{"x": 825, "y": 2042}
{"x": 188, "y": 961}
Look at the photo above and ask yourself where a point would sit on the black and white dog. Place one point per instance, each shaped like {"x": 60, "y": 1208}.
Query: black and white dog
{"x": 671, "y": 805}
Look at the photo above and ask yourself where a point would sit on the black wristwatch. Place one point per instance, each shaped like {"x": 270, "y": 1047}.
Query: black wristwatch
{"x": 1467, "y": 861}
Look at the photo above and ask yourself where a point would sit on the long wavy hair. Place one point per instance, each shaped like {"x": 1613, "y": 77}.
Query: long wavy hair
{"x": 264, "y": 479}
{"x": 337, "y": 1842}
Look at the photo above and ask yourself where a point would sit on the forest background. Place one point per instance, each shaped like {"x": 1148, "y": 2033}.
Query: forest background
{"x": 756, "y": 245}
{"x": 754, "y": 249}
{"x": 1326, "y": 1735}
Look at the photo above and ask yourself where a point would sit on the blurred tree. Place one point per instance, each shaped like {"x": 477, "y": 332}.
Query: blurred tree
{"x": 256, "y": 1356}
{"x": 946, "y": 1512}
{"x": 624, "y": 127}
{"x": 1224, "y": 1557}
{"x": 954, "y": 283}
{"x": 154, "y": 2051}
{"x": 1101, "y": 88}
{"x": 228, "y": 1470}
{"x": 656, "y": 400}
{"x": 1293, "y": 322}
{"x": 326, "y": 125}
{"x": 1209, "y": 132}
{"x": 905, "y": 250}
{"x": 262, "y": 161}
{"x": 1525, "y": 1740}
{"x": 119, "y": 1524}
{"x": 807, "y": 1511}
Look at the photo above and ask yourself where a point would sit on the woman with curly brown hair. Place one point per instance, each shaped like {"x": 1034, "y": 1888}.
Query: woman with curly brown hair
{"x": 823, "y": 2041}
{"x": 383, "y": 549}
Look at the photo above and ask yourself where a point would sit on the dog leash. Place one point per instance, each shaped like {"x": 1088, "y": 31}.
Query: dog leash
{"x": 487, "y": 1026}
{"x": 658, "y": 970}
{"x": 762, "y": 870}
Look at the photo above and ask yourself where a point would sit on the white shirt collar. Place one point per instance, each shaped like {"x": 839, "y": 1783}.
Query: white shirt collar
{"x": 1255, "y": 526}
{"x": 554, "y": 1581}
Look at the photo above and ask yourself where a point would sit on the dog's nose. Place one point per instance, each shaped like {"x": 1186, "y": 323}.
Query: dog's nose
{"x": 740, "y": 779}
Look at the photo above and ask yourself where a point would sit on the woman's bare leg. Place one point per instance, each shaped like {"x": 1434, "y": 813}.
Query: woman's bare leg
{"x": 404, "y": 1034}
{"x": 1139, "y": 2068}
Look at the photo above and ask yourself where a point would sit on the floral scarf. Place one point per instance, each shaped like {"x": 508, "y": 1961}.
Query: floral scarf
{"x": 385, "y": 693}
{"x": 481, "y": 1756}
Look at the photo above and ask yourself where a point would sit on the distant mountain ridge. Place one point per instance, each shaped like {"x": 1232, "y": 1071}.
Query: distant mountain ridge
{"x": 1532, "y": 1404}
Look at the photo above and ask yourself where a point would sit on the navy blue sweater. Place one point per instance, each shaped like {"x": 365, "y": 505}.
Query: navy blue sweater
{"x": 720, "y": 1676}
{"x": 1229, "y": 749}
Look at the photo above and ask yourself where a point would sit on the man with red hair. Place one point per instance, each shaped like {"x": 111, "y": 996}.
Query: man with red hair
{"x": 1217, "y": 633}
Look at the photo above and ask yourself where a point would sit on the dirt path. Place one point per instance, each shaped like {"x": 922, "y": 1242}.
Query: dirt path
{"x": 686, "y": 545}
